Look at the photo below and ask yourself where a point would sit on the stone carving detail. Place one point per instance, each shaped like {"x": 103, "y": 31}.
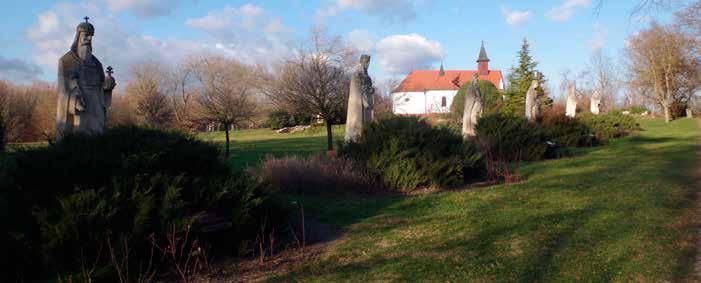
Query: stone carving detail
{"x": 595, "y": 103}
{"x": 84, "y": 91}
{"x": 473, "y": 108}
{"x": 571, "y": 109}
{"x": 533, "y": 99}
{"x": 360, "y": 101}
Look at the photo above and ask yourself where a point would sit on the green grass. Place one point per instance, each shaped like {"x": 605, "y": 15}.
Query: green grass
{"x": 622, "y": 212}
{"x": 249, "y": 147}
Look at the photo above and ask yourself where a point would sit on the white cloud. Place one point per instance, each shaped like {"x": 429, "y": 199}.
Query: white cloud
{"x": 121, "y": 45}
{"x": 515, "y": 18}
{"x": 14, "y": 69}
{"x": 230, "y": 17}
{"x": 391, "y": 10}
{"x": 143, "y": 8}
{"x": 403, "y": 53}
{"x": 247, "y": 32}
{"x": 565, "y": 11}
{"x": 598, "y": 40}
{"x": 361, "y": 40}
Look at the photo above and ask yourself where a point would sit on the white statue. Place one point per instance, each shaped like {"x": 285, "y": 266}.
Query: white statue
{"x": 533, "y": 99}
{"x": 360, "y": 101}
{"x": 595, "y": 103}
{"x": 473, "y": 108}
{"x": 571, "y": 109}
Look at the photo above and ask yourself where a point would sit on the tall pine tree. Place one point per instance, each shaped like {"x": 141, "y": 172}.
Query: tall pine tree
{"x": 520, "y": 79}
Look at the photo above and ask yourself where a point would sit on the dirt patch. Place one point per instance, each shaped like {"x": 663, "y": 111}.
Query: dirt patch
{"x": 319, "y": 238}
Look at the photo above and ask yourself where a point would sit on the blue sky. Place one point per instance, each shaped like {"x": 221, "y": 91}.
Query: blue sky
{"x": 400, "y": 34}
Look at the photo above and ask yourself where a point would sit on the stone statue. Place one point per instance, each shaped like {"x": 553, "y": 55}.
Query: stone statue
{"x": 360, "y": 100}
{"x": 571, "y": 109}
{"x": 689, "y": 113}
{"x": 533, "y": 99}
{"x": 595, "y": 102}
{"x": 84, "y": 91}
{"x": 473, "y": 108}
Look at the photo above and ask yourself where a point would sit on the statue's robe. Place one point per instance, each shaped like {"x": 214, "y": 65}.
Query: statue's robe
{"x": 368, "y": 100}
{"x": 595, "y": 103}
{"x": 472, "y": 110}
{"x": 85, "y": 78}
{"x": 354, "y": 117}
{"x": 571, "y": 109}
{"x": 532, "y": 102}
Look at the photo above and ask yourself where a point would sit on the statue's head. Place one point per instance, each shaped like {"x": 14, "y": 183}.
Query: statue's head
{"x": 536, "y": 79}
{"x": 365, "y": 61}
{"x": 83, "y": 37}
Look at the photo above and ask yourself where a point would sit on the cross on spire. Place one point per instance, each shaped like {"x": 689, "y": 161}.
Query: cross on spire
{"x": 86, "y": 18}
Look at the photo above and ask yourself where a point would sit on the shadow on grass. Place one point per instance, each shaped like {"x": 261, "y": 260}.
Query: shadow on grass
{"x": 622, "y": 212}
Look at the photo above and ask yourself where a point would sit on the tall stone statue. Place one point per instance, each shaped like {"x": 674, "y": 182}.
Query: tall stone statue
{"x": 360, "y": 101}
{"x": 84, "y": 91}
{"x": 571, "y": 109}
{"x": 533, "y": 99}
{"x": 473, "y": 108}
{"x": 595, "y": 102}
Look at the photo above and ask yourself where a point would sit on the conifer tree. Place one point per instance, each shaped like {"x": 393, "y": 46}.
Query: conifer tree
{"x": 519, "y": 80}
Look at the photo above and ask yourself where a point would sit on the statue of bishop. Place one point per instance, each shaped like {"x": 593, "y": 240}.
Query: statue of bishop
{"x": 84, "y": 91}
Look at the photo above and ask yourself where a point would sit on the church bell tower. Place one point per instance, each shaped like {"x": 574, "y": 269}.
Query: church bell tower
{"x": 483, "y": 62}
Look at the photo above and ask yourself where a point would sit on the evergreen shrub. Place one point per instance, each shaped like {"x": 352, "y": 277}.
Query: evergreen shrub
{"x": 509, "y": 139}
{"x": 610, "y": 125}
{"x": 408, "y": 153}
{"x": 69, "y": 198}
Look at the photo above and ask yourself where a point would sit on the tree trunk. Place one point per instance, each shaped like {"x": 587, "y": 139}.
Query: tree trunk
{"x": 667, "y": 114}
{"x": 226, "y": 130}
{"x": 329, "y": 135}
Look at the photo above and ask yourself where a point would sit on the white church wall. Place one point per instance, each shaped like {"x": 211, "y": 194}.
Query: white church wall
{"x": 408, "y": 103}
{"x": 419, "y": 103}
{"x": 434, "y": 100}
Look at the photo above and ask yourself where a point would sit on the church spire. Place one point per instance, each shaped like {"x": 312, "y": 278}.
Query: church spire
{"x": 483, "y": 62}
{"x": 441, "y": 72}
{"x": 483, "y": 54}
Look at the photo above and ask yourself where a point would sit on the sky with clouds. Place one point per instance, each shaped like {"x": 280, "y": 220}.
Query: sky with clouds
{"x": 401, "y": 35}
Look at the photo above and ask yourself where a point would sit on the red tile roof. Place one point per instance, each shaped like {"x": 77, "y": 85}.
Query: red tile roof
{"x": 423, "y": 80}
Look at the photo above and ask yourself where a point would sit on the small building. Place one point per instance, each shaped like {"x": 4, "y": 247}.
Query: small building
{"x": 432, "y": 91}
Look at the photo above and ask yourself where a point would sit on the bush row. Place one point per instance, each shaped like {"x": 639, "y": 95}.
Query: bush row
{"x": 408, "y": 152}
{"x": 69, "y": 200}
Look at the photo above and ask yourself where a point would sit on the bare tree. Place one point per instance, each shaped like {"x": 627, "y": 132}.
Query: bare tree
{"x": 316, "y": 81}
{"x": 180, "y": 81}
{"x": 383, "y": 97}
{"x": 642, "y": 6}
{"x": 690, "y": 18}
{"x": 148, "y": 89}
{"x": 604, "y": 79}
{"x": 665, "y": 62}
{"x": 226, "y": 92}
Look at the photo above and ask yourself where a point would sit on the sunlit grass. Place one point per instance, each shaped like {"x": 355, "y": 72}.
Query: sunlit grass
{"x": 623, "y": 212}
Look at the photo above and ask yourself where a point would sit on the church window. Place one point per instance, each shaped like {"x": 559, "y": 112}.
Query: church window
{"x": 444, "y": 102}
{"x": 406, "y": 99}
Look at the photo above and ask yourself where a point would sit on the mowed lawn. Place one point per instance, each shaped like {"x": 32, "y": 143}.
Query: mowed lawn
{"x": 622, "y": 212}
{"x": 249, "y": 147}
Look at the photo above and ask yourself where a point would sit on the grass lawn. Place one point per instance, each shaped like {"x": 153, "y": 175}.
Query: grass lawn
{"x": 248, "y": 147}
{"x": 622, "y": 212}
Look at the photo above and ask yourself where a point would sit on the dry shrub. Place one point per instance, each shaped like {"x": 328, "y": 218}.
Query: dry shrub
{"x": 318, "y": 174}
{"x": 122, "y": 111}
{"x": 28, "y": 111}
